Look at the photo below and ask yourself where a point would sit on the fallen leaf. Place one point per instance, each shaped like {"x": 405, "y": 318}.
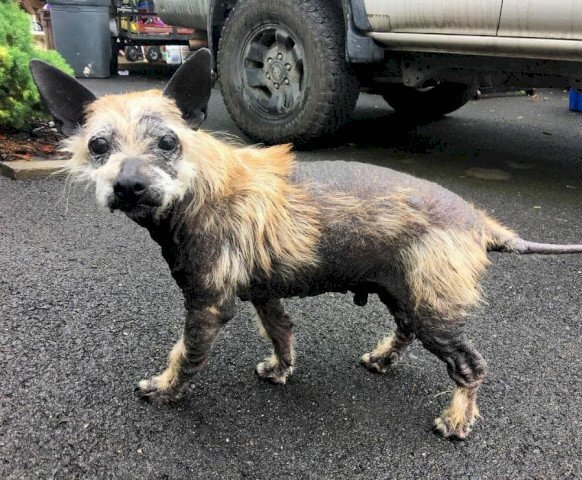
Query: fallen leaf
{"x": 46, "y": 148}
{"x": 488, "y": 173}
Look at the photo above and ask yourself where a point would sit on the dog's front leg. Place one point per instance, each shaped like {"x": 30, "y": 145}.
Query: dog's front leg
{"x": 188, "y": 356}
{"x": 277, "y": 327}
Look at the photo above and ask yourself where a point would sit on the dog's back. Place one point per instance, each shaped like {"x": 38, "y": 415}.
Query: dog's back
{"x": 366, "y": 182}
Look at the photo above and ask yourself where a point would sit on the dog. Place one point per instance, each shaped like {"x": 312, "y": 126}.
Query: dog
{"x": 249, "y": 222}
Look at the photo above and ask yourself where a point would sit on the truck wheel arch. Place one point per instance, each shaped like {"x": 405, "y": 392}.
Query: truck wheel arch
{"x": 359, "y": 48}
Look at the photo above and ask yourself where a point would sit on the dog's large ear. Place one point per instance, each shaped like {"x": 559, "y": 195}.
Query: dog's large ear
{"x": 191, "y": 86}
{"x": 64, "y": 97}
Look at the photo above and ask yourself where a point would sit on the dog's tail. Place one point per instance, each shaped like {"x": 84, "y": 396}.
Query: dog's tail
{"x": 501, "y": 239}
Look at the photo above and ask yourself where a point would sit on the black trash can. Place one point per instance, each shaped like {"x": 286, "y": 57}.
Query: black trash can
{"x": 82, "y": 35}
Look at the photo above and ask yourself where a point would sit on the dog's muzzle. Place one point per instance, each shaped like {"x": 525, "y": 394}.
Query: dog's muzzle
{"x": 132, "y": 190}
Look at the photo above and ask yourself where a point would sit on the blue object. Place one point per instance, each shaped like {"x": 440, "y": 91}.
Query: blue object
{"x": 575, "y": 100}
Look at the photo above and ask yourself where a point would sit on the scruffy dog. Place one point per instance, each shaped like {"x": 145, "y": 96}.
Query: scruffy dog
{"x": 252, "y": 223}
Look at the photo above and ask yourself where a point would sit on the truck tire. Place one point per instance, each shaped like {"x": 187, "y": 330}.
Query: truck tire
{"x": 431, "y": 103}
{"x": 283, "y": 71}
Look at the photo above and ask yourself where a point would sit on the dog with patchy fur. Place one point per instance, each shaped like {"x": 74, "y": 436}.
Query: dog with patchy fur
{"x": 251, "y": 223}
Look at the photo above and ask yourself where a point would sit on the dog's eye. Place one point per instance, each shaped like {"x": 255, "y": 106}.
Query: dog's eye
{"x": 167, "y": 142}
{"x": 99, "y": 146}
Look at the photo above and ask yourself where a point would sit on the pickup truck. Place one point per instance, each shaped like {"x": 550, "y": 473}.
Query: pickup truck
{"x": 292, "y": 70}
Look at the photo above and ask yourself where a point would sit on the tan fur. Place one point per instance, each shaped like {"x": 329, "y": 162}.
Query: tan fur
{"x": 387, "y": 352}
{"x": 496, "y": 235}
{"x": 384, "y": 345}
{"x": 271, "y": 361}
{"x": 443, "y": 268}
{"x": 376, "y": 359}
{"x": 267, "y": 218}
{"x": 380, "y": 218}
{"x": 262, "y": 332}
{"x": 462, "y": 411}
{"x": 293, "y": 353}
{"x": 124, "y": 114}
{"x": 272, "y": 369}
{"x": 169, "y": 377}
{"x": 272, "y": 220}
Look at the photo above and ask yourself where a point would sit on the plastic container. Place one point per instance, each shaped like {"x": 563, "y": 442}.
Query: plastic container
{"x": 82, "y": 36}
{"x": 173, "y": 54}
{"x": 575, "y": 100}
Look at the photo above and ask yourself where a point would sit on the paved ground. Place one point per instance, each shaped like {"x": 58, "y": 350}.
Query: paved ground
{"x": 87, "y": 308}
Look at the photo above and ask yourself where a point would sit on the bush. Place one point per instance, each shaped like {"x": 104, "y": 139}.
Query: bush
{"x": 19, "y": 99}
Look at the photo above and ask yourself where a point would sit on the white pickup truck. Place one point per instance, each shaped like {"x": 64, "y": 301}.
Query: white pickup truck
{"x": 291, "y": 70}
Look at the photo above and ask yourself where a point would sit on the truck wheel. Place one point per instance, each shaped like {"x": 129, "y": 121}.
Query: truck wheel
{"x": 283, "y": 72}
{"x": 429, "y": 103}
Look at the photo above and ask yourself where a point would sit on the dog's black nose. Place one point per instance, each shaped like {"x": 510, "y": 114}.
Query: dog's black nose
{"x": 129, "y": 189}
{"x": 131, "y": 185}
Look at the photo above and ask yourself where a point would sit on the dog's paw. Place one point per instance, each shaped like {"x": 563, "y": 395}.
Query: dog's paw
{"x": 448, "y": 429}
{"x": 378, "y": 364}
{"x": 273, "y": 372}
{"x": 151, "y": 390}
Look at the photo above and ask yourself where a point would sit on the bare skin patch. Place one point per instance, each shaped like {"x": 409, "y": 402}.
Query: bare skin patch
{"x": 278, "y": 328}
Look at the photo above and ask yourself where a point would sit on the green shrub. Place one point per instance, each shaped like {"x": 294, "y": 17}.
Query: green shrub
{"x": 19, "y": 99}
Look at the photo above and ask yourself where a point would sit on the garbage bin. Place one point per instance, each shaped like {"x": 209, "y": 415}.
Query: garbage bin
{"x": 82, "y": 36}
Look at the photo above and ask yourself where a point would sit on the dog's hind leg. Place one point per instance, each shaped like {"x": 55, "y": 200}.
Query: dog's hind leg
{"x": 390, "y": 349}
{"x": 188, "y": 356}
{"x": 278, "y": 328}
{"x": 465, "y": 366}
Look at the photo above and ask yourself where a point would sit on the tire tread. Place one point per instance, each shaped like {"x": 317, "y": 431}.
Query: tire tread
{"x": 339, "y": 90}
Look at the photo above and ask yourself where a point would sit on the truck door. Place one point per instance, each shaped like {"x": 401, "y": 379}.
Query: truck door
{"x": 456, "y": 17}
{"x": 552, "y": 19}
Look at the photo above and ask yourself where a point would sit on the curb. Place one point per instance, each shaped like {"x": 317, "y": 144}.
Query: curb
{"x": 34, "y": 169}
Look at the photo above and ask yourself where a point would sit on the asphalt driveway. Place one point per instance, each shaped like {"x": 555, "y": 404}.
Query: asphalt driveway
{"x": 88, "y": 307}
